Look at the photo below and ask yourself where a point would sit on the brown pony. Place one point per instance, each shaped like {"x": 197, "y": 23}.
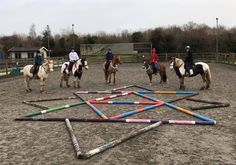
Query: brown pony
{"x": 112, "y": 69}
{"x": 149, "y": 71}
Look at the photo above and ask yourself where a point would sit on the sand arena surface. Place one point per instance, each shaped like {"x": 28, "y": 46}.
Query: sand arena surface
{"x": 49, "y": 142}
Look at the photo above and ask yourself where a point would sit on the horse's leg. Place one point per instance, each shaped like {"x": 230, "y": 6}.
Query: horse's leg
{"x": 26, "y": 80}
{"x": 204, "y": 81}
{"x": 114, "y": 77}
{"x": 62, "y": 78}
{"x": 181, "y": 81}
{"x": 150, "y": 79}
{"x": 161, "y": 75}
{"x": 67, "y": 76}
{"x": 109, "y": 78}
{"x": 74, "y": 82}
{"x": 42, "y": 84}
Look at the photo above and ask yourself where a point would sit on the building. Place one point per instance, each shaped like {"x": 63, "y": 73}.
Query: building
{"x": 26, "y": 52}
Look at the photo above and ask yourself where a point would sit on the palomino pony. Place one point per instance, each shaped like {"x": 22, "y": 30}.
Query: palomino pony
{"x": 42, "y": 74}
{"x": 199, "y": 68}
{"x": 77, "y": 72}
{"x": 112, "y": 69}
{"x": 149, "y": 71}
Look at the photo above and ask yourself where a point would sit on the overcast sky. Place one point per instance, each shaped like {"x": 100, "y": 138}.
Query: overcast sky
{"x": 111, "y": 16}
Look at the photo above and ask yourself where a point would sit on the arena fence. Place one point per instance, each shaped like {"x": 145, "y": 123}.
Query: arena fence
{"x": 12, "y": 67}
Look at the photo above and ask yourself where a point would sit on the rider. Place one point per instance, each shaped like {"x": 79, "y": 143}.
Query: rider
{"x": 73, "y": 57}
{"x": 38, "y": 61}
{"x": 154, "y": 60}
{"x": 109, "y": 57}
{"x": 188, "y": 60}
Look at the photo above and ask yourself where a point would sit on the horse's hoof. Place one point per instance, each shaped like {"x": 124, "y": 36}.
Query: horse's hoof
{"x": 67, "y": 86}
{"x": 41, "y": 91}
{"x": 182, "y": 87}
{"x": 61, "y": 86}
{"x": 202, "y": 88}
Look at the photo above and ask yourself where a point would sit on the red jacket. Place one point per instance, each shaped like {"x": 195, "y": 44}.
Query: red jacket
{"x": 154, "y": 56}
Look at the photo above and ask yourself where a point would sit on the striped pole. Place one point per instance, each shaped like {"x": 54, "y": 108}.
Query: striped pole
{"x": 53, "y": 99}
{"x": 113, "y": 96}
{"x": 35, "y": 105}
{"x": 122, "y": 102}
{"x": 99, "y": 92}
{"x": 166, "y": 92}
{"x": 179, "y": 108}
{"x": 98, "y": 112}
{"x": 73, "y": 138}
{"x": 141, "y": 87}
{"x": 52, "y": 109}
{"x": 118, "y": 141}
{"x": 158, "y": 104}
{"x": 140, "y": 121}
{"x": 123, "y": 87}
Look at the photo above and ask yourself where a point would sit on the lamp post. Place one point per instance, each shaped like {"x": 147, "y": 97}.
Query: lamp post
{"x": 73, "y": 39}
{"x": 48, "y": 36}
{"x": 217, "y": 41}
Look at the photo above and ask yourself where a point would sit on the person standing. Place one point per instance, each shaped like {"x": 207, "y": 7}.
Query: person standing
{"x": 73, "y": 57}
{"x": 188, "y": 60}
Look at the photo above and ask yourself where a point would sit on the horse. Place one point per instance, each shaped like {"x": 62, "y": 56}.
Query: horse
{"x": 77, "y": 72}
{"x": 112, "y": 69}
{"x": 199, "y": 68}
{"x": 149, "y": 71}
{"x": 42, "y": 74}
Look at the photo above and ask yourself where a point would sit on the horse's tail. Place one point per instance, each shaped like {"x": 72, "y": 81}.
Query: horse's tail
{"x": 208, "y": 75}
{"x": 164, "y": 75}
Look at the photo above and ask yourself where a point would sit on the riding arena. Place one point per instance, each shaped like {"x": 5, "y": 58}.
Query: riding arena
{"x": 131, "y": 121}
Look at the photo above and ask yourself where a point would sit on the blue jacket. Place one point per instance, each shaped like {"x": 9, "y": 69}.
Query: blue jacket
{"x": 109, "y": 56}
{"x": 38, "y": 59}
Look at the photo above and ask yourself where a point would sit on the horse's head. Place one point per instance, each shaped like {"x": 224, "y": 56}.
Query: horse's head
{"x": 116, "y": 60}
{"x": 175, "y": 63}
{"x": 145, "y": 63}
{"x": 50, "y": 65}
{"x": 81, "y": 63}
{"x": 84, "y": 63}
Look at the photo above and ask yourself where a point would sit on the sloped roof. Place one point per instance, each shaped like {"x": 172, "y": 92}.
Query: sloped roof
{"x": 26, "y": 49}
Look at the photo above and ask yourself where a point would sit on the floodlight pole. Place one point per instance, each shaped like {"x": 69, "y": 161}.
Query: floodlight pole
{"x": 73, "y": 39}
{"x": 217, "y": 41}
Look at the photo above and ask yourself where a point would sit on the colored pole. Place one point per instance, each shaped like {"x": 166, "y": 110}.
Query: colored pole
{"x": 53, "y": 99}
{"x": 52, "y": 109}
{"x": 122, "y": 102}
{"x": 35, "y": 105}
{"x": 140, "y": 121}
{"x": 205, "y": 101}
{"x": 99, "y": 92}
{"x": 208, "y": 107}
{"x": 165, "y": 92}
{"x": 141, "y": 87}
{"x": 123, "y": 87}
{"x": 118, "y": 141}
{"x": 178, "y": 108}
{"x": 137, "y": 111}
{"x": 73, "y": 138}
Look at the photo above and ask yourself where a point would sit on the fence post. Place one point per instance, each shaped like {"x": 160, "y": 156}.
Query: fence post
{"x": 6, "y": 66}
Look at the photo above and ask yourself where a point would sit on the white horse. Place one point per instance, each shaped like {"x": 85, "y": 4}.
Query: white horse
{"x": 77, "y": 72}
{"x": 199, "y": 68}
{"x": 42, "y": 74}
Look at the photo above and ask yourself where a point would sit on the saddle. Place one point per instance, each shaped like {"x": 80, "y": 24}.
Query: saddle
{"x": 34, "y": 70}
{"x": 156, "y": 68}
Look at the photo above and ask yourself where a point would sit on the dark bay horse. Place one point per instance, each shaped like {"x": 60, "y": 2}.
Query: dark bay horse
{"x": 77, "y": 71}
{"x": 199, "y": 68}
{"x": 149, "y": 71}
{"x": 112, "y": 69}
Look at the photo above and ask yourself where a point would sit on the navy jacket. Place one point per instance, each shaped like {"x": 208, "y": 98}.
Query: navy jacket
{"x": 109, "y": 56}
{"x": 189, "y": 58}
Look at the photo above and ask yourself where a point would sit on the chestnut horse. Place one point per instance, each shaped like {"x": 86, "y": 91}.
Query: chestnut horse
{"x": 199, "y": 68}
{"x": 112, "y": 69}
{"x": 42, "y": 74}
{"x": 149, "y": 71}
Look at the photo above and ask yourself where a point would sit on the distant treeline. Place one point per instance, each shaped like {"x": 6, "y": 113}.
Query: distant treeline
{"x": 171, "y": 39}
